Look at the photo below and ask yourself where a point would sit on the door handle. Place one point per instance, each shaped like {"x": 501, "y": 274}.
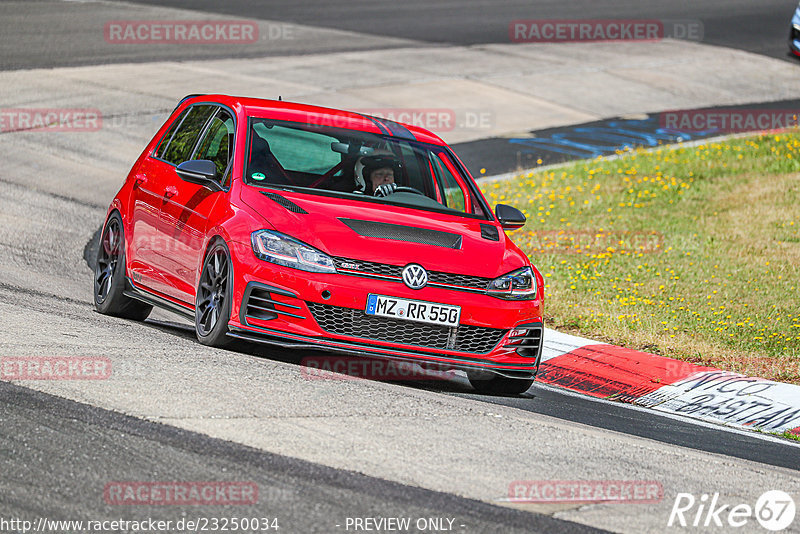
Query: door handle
{"x": 139, "y": 180}
{"x": 170, "y": 192}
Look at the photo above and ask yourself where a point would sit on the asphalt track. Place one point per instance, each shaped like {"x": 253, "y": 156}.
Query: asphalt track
{"x": 759, "y": 27}
{"x": 756, "y": 26}
{"x": 58, "y": 464}
{"x": 73, "y": 450}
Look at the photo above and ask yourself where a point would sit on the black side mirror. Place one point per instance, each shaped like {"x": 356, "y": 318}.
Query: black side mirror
{"x": 201, "y": 172}
{"x": 510, "y": 218}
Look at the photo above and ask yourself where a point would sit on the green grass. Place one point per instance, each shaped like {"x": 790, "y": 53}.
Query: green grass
{"x": 692, "y": 253}
{"x": 786, "y": 434}
{"x": 790, "y": 435}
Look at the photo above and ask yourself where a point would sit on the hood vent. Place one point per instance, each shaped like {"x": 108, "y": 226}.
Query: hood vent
{"x": 285, "y": 202}
{"x": 398, "y": 232}
{"x": 489, "y": 232}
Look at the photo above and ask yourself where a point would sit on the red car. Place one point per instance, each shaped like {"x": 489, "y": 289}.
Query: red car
{"x": 301, "y": 226}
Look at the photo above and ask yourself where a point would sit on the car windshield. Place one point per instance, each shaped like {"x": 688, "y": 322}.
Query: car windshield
{"x": 339, "y": 162}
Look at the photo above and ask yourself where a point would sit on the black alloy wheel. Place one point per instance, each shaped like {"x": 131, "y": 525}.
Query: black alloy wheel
{"x": 213, "y": 302}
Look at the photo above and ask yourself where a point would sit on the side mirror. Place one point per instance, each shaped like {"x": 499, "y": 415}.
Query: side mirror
{"x": 510, "y": 218}
{"x": 201, "y": 172}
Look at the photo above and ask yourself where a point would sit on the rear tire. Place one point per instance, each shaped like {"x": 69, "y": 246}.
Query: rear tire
{"x": 110, "y": 276}
{"x": 213, "y": 297}
{"x": 492, "y": 384}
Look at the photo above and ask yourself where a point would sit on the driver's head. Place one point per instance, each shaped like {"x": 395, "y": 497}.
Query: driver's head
{"x": 378, "y": 177}
{"x": 373, "y": 171}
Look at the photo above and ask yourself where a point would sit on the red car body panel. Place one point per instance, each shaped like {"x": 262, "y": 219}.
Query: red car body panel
{"x": 169, "y": 224}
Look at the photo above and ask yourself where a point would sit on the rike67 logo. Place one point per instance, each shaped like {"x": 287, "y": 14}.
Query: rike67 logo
{"x": 774, "y": 511}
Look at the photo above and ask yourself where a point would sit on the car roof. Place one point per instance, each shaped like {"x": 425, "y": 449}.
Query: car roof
{"x": 296, "y": 112}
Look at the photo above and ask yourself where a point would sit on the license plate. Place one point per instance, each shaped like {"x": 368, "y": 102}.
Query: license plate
{"x": 413, "y": 310}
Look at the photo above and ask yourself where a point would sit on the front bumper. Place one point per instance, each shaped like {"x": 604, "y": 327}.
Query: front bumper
{"x": 289, "y": 308}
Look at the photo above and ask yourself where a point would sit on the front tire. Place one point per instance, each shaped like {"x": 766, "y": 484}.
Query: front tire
{"x": 110, "y": 274}
{"x": 492, "y": 384}
{"x": 214, "y": 296}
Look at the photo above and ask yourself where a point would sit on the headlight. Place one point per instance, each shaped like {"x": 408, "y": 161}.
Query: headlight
{"x": 285, "y": 250}
{"x": 516, "y": 285}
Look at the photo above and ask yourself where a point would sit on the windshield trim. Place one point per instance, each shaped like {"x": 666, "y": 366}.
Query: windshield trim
{"x": 364, "y": 198}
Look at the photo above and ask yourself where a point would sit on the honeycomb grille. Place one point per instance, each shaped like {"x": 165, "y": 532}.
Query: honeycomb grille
{"x": 356, "y": 323}
{"x": 463, "y": 280}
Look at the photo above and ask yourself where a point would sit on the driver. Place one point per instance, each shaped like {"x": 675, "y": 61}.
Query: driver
{"x": 376, "y": 175}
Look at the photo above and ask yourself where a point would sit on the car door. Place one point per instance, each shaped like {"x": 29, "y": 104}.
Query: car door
{"x": 147, "y": 194}
{"x": 161, "y": 180}
{"x": 186, "y": 208}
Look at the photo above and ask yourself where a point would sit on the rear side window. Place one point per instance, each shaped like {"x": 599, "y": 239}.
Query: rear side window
{"x": 218, "y": 142}
{"x": 185, "y": 138}
{"x": 170, "y": 132}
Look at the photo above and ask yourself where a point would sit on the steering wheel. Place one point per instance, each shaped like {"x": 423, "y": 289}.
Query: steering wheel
{"x": 406, "y": 189}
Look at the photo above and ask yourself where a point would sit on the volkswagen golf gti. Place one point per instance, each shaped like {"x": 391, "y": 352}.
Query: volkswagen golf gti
{"x": 305, "y": 227}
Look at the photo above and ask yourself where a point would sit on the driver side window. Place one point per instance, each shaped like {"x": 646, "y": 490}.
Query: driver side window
{"x": 453, "y": 194}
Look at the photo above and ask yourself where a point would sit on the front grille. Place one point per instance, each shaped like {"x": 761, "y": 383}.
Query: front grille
{"x": 462, "y": 280}
{"x": 356, "y": 323}
{"x": 368, "y": 267}
{"x": 395, "y": 271}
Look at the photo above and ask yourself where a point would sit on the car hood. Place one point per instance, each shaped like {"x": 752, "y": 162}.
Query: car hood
{"x": 381, "y": 233}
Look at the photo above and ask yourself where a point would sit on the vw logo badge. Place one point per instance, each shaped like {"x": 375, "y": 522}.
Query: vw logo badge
{"x": 415, "y": 276}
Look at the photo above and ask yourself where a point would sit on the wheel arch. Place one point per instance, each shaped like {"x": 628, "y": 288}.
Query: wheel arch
{"x": 210, "y": 242}
{"x": 114, "y": 209}
{"x": 213, "y": 239}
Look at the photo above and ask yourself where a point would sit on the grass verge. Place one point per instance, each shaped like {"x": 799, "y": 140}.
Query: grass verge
{"x": 688, "y": 252}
